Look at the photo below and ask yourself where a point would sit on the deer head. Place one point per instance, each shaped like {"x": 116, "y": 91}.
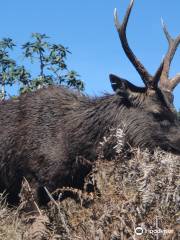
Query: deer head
{"x": 156, "y": 98}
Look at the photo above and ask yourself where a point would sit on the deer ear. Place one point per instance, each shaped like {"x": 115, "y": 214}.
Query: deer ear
{"x": 118, "y": 84}
{"x": 123, "y": 86}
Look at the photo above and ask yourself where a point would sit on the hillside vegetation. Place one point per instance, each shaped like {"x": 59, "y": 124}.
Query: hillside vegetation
{"x": 137, "y": 189}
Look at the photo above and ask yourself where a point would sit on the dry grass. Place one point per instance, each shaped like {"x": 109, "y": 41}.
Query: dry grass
{"x": 138, "y": 191}
{"x": 141, "y": 191}
{"x": 11, "y": 227}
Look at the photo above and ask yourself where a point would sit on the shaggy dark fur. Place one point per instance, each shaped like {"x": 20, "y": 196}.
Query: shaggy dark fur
{"x": 45, "y": 135}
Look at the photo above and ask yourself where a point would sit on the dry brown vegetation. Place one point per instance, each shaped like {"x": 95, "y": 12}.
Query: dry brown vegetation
{"x": 137, "y": 189}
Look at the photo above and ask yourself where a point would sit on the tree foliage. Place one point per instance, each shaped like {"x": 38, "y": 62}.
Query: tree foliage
{"x": 7, "y": 65}
{"x": 50, "y": 59}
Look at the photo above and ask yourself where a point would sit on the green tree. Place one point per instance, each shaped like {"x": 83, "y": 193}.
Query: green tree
{"x": 52, "y": 64}
{"x": 7, "y": 66}
{"x": 51, "y": 60}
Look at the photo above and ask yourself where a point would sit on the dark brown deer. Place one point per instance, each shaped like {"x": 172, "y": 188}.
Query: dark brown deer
{"x": 44, "y": 134}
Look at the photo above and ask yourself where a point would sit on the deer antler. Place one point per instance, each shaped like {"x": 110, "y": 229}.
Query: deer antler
{"x": 166, "y": 83}
{"x": 150, "y": 81}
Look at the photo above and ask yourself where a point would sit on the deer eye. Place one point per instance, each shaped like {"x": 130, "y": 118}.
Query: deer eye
{"x": 158, "y": 117}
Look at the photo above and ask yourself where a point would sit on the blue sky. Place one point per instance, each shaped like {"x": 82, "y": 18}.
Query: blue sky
{"x": 87, "y": 28}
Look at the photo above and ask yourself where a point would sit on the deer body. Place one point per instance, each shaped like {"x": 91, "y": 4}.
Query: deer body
{"x": 44, "y": 134}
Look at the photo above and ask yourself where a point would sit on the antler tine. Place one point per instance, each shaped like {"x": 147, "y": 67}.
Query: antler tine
{"x": 158, "y": 74}
{"x": 166, "y": 83}
{"x": 121, "y": 28}
{"x": 168, "y": 36}
{"x": 174, "y": 81}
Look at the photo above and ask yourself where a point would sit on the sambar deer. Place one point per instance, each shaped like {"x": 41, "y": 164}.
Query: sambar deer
{"x": 44, "y": 133}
